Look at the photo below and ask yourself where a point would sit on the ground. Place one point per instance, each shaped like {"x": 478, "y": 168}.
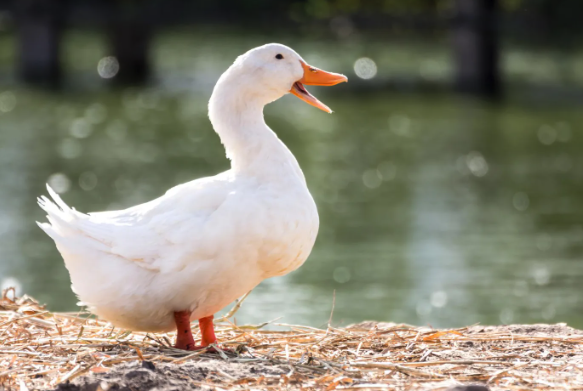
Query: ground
{"x": 147, "y": 376}
{"x": 45, "y": 351}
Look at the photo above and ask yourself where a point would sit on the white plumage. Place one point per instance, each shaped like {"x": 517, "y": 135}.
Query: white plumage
{"x": 203, "y": 243}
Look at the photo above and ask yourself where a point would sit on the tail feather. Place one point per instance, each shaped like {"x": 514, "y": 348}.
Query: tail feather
{"x": 57, "y": 198}
{"x": 61, "y": 217}
{"x": 66, "y": 226}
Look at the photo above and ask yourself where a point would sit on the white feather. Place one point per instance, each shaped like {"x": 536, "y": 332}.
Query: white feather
{"x": 203, "y": 243}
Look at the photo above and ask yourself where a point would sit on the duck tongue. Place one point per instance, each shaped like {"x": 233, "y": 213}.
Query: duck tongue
{"x": 316, "y": 77}
{"x": 299, "y": 90}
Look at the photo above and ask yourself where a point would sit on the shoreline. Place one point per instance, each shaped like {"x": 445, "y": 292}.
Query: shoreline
{"x": 41, "y": 350}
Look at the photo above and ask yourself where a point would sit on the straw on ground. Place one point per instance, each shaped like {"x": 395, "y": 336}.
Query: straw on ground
{"x": 40, "y": 349}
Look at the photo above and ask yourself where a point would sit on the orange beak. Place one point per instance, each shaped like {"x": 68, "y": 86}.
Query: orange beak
{"x": 315, "y": 77}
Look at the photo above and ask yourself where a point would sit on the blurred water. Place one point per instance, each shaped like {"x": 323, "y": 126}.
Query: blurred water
{"x": 434, "y": 208}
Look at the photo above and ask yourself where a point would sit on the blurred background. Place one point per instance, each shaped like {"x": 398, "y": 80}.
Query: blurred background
{"x": 449, "y": 180}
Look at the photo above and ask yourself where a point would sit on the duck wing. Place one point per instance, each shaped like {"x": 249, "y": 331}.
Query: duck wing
{"x": 161, "y": 235}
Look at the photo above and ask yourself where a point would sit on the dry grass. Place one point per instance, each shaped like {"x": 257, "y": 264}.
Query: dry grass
{"x": 40, "y": 349}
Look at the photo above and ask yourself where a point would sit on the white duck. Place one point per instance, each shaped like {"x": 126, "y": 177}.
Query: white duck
{"x": 186, "y": 255}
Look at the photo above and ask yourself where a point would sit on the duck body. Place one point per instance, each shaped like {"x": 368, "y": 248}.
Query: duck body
{"x": 192, "y": 251}
{"x": 197, "y": 248}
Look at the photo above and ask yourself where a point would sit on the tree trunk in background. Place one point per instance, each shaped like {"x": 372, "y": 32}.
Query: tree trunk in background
{"x": 475, "y": 46}
{"x": 130, "y": 35}
{"x": 39, "y": 28}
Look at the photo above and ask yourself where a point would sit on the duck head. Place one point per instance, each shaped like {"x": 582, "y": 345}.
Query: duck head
{"x": 268, "y": 72}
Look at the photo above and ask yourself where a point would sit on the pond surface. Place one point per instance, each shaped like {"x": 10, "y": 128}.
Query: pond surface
{"x": 434, "y": 209}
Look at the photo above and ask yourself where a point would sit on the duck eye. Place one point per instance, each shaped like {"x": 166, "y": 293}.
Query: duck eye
{"x": 279, "y": 56}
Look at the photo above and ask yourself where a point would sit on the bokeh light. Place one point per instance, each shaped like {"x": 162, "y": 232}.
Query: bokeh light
{"x": 96, "y": 113}
{"x": 59, "y": 182}
{"x": 342, "y": 274}
{"x": 365, "y": 68}
{"x": 70, "y": 148}
{"x": 520, "y": 201}
{"x": 88, "y": 180}
{"x": 108, "y": 67}
{"x": 547, "y": 134}
{"x": 11, "y": 282}
{"x": 438, "y": 299}
{"x": 7, "y": 101}
{"x": 80, "y": 128}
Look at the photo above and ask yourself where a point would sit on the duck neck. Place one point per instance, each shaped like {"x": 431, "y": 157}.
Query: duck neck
{"x": 250, "y": 144}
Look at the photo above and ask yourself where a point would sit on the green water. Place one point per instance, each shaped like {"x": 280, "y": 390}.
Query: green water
{"x": 434, "y": 209}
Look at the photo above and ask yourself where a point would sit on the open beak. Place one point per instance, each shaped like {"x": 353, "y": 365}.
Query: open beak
{"x": 315, "y": 77}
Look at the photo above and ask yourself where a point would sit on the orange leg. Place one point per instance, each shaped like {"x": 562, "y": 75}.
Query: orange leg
{"x": 184, "y": 338}
{"x": 207, "y": 329}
